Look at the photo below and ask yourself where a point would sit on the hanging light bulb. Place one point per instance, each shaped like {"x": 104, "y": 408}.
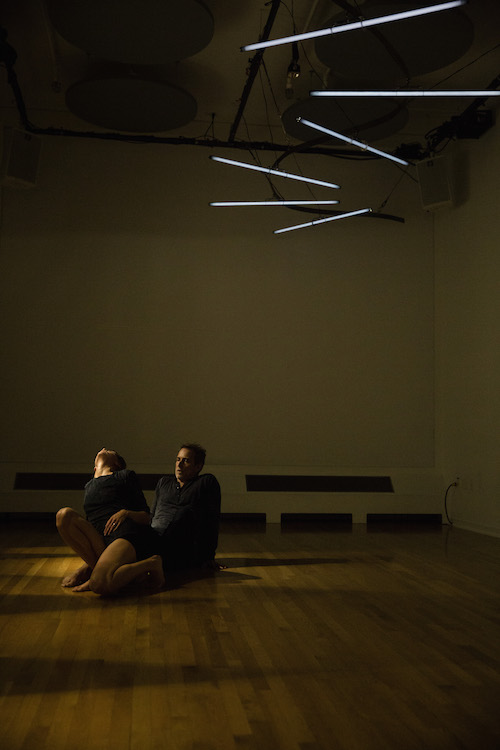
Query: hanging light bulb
{"x": 293, "y": 71}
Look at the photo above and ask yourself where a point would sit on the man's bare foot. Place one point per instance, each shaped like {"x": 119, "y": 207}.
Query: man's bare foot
{"x": 155, "y": 578}
{"x": 78, "y": 577}
{"x": 82, "y": 587}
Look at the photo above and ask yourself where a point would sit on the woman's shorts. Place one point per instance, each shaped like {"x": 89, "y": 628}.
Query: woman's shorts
{"x": 144, "y": 539}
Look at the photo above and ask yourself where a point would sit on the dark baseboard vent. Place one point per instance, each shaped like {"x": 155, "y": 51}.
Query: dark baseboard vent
{"x": 404, "y": 518}
{"x": 316, "y": 518}
{"x": 28, "y": 516}
{"x": 50, "y": 481}
{"x": 291, "y": 483}
{"x": 244, "y": 517}
{"x": 55, "y": 481}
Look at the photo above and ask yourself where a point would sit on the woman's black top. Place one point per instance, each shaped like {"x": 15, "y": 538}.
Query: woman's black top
{"x": 110, "y": 493}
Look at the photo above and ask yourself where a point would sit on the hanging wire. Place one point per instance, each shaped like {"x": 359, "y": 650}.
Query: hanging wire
{"x": 315, "y": 72}
{"x": 453, "y": 484}
{"x": 404, "y": 173}
{"x": 266, "y": 107}
{"x": 264, "y": 67}
{"x": 276, "y": 194}
{"x": 467, "y": 65}
{"x": 210, "y": 129}
{"x": 446, "y": 131}
{"x": 291, "y": 13}
{"x": 287, "y": 139}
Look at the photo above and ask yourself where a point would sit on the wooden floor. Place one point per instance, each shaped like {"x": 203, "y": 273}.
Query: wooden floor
{"x": 312, "y": 639}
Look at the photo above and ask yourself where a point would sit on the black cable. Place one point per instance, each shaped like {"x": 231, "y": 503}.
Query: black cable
{"x": 253, "y": 69}
{"x": 467, "y": 65}
{"x": 453, "y": 484}
{"x": 268, "y": 119}
{"x": 385, "y": 201}
{"x": 256, "y": 159}
{"x": 210, "y": 128}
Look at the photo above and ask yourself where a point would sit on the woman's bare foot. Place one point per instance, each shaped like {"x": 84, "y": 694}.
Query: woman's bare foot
{"x": 83, "y": 587}
{"x": 155, "y": 578}
{"x": 77, "y": 578}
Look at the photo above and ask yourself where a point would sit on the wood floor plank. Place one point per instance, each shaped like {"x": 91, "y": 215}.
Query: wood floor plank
{"x": 311, "y": 639}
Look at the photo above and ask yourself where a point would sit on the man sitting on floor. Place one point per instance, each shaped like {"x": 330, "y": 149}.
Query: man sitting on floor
{"x": 186, "y": 512}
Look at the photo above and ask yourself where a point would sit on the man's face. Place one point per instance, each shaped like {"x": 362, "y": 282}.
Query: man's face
{"x": 185, "y": 466}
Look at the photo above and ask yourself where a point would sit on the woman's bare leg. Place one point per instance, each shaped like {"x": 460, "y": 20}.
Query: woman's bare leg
{"x": 83, "y": 539}
{"x": 148, "y": 571}
{"x": 118, "y": 566}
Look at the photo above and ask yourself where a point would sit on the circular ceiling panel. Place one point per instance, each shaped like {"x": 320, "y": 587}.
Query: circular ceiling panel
{"x": 137, "y": 32}
{"x": 131, "y": 104}
{"x": 368, "y": 119}
{"x": 392, "y": 53}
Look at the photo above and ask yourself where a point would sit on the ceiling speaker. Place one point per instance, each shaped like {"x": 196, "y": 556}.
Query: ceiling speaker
{"x": 435, "y": 190}
{"x": 135, "y": 105}
{"x": 137, "y": 32}
{"x": 20, "y": 158}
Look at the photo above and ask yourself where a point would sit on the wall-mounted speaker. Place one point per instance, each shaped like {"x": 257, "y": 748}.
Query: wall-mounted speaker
{"x": 433, "y": 178}
{"x": 20, "y": 157}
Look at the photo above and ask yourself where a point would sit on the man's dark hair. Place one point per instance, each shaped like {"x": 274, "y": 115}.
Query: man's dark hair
{"x": 199, "y": 452}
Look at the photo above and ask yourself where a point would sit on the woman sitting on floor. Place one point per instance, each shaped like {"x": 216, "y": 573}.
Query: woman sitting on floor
{"x": 115, "y": 540}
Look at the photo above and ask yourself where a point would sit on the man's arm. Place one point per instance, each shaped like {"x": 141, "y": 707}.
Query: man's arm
{"x": 156, "y": 501}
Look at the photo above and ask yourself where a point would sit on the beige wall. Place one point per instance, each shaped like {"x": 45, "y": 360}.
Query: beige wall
{"x": 135, "y": 315}
{"x": 468, "y": 337}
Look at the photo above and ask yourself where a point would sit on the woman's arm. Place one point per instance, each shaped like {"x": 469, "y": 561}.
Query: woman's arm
{"x": 138, "y": 516}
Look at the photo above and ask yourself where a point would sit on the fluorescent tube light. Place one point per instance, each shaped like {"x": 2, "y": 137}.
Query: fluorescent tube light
{"x": 354, "y": 142}
{"x": 323, "y": 221}
{"x": 355, "y": 25}
{"x": 404, "y": 93}
{"x": 276, "y": 172}
{"x": 274, "y": 203}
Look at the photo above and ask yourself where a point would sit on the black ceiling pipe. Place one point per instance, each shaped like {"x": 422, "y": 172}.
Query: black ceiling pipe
{"x": 255, "y": 63}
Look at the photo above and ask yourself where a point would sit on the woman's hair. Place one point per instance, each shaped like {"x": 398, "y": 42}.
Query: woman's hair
{"x": 113, "y": 459}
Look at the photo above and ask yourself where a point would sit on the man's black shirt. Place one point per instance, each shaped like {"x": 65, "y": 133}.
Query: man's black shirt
{"x": 189, "y": 515}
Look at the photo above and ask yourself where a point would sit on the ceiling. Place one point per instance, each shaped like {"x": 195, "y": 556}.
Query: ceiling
{"x": 175, "y": 70}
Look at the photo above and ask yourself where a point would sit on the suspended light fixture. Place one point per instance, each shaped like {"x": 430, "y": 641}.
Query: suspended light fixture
{"x": 355, "y": 25}
{"x": 275, "y": 172}
{"x": 323, "y": 221}
{"x": 274, "y": 203}
{"x": 353, "y": 141}
{"x": 405, "y": 93}
{"x": 293, "y": 71}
